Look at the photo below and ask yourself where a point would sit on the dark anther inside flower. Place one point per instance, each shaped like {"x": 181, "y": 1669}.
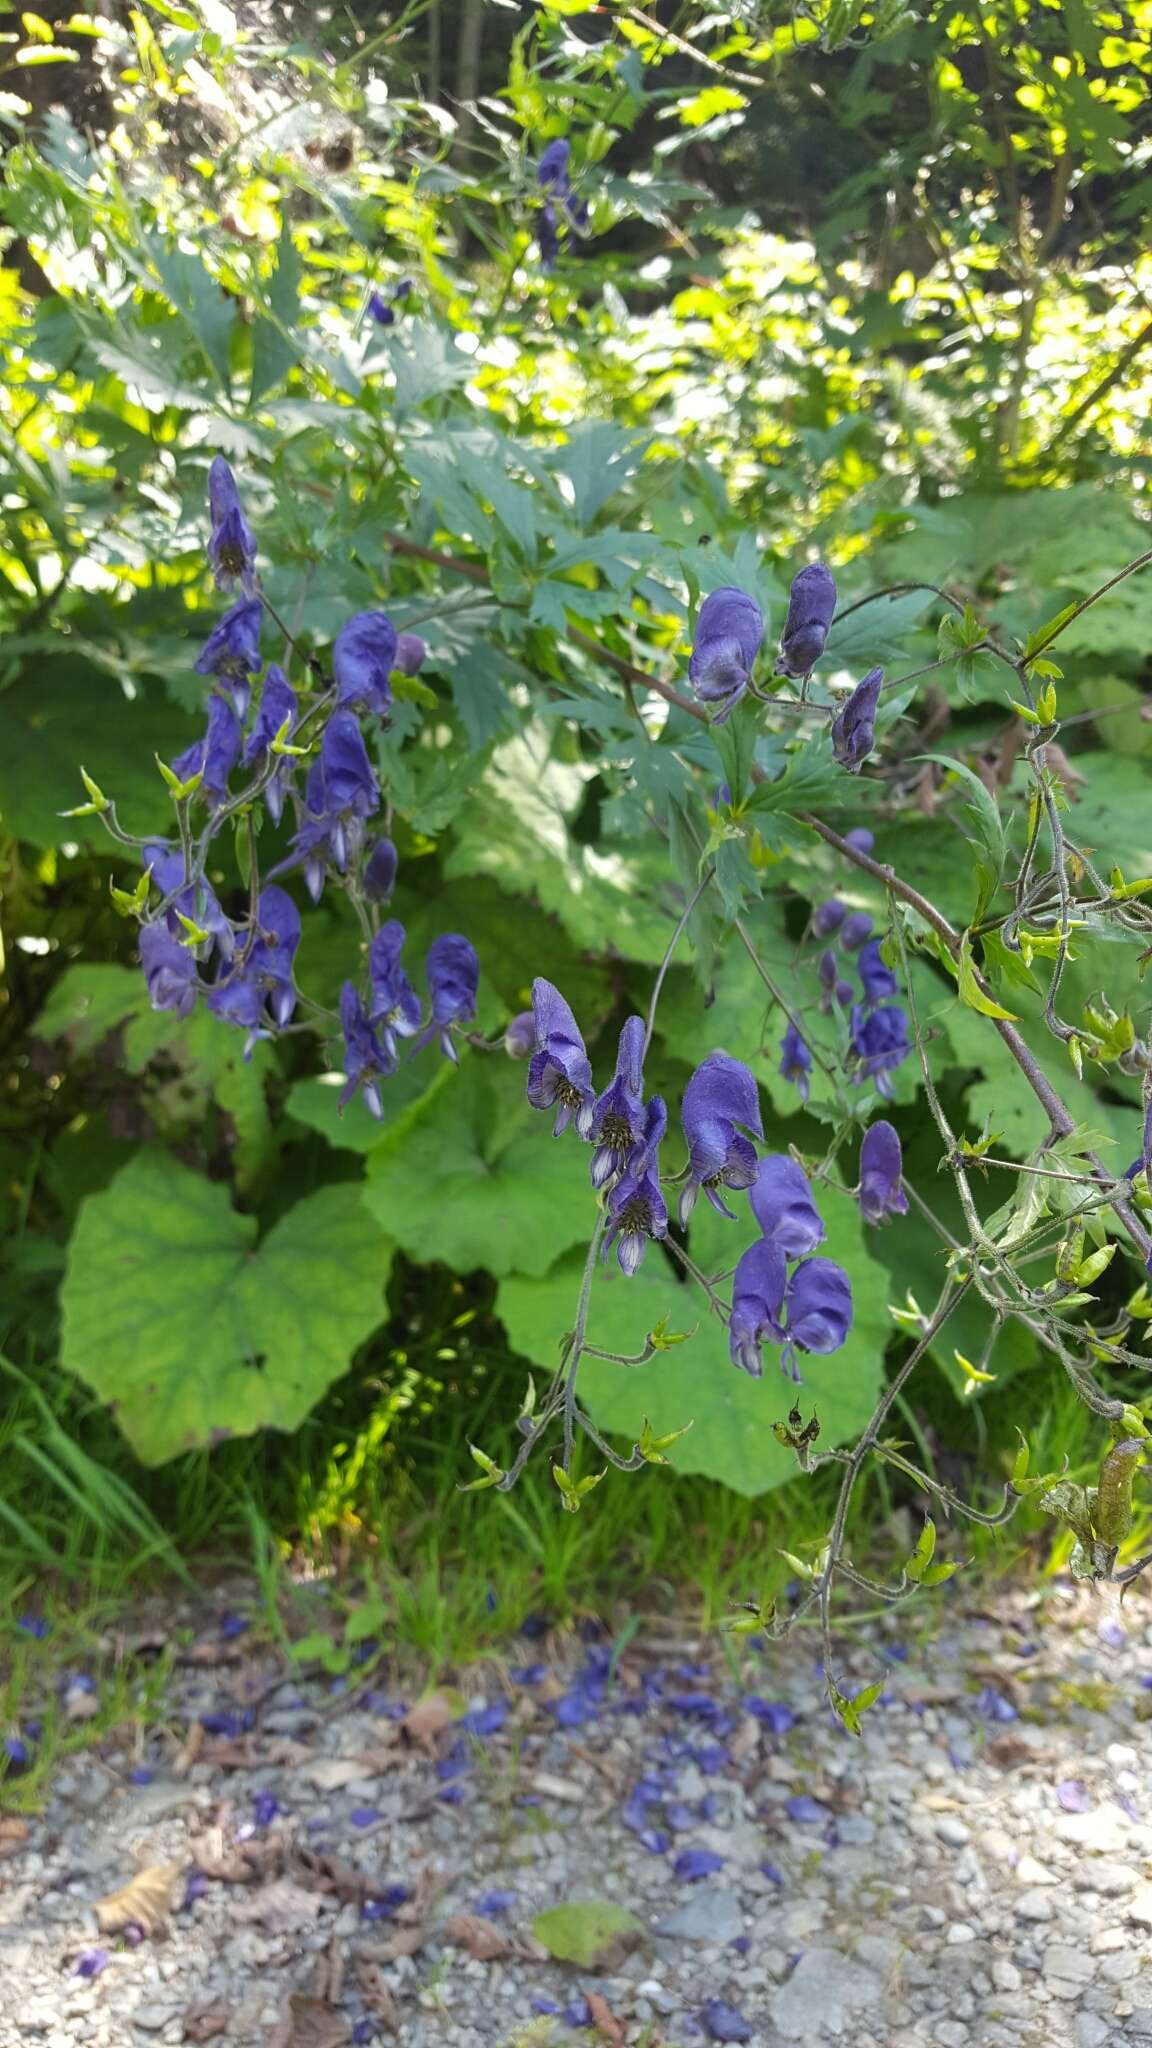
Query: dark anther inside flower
{"x": 795, "y": 1060}
{"x": 728, "y": 635}
{"x": 636, "y": 1208}
{"x": 559, "y": 1074}
{"x": 721, "y": 1103}
{"x": 853, "y": 730}
{"x": 231, "y": 545}
{"x": 881, "y": 1167}
{"x": 782, "y": 1202}
{"x": 811, "y": 603}
{"x": 618, "y": 1118}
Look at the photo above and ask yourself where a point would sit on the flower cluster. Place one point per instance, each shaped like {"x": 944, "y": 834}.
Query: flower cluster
{"x": 561, "y": 203}
{"x": 808, "y": 1308}
{"x": 244, "y": 967}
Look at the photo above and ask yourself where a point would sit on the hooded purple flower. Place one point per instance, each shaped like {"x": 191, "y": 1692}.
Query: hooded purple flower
{"x": 169, "y": 970}
{"x": 853, "y": 733}
{"x": 341, "y": 791}
{"x": 618, "y": 1118}
{"x": 855, "y": 929}
{"x": 636, "y": 1207}
{"x": 728, "y": 635}
{"x": 165, "y": 863}
{"x": 881, "y": 1165}
{"x": 363, "y": 658}
{"x": 380, "y": 310}
{"x": 214, "y": 757}
{"x": 453, "y": 974}
{"x": 876, "y": 977}
{"x": 520, "y": 1036}
{"x": 811, "y": 603}
{"x": 276, "y": 708}
{"x": 720, "y": 1095}
{"x": 782, "y": 1203}
{"x": 818, "y": 1308}
{"x": 879, "y": 1043}
{"x": 410, "y": 653}
{"x": 828, "y": 970}
{"x": 757, "y": 1302}
{"x": 559, "y": 1072}
{"x": 861, "y": 838}
{"x": 394, "y": 1007}
{"x": 828, "y": 917}
{"x": 231, "y": 546}
{"x": 552, "y": 168}
{"x": 795, "y": 1060}
{"x": 262, "y": 984}
{"x": 378, "y": 875}
{"x": 232, "y": 651}
{"x": 365, "y": 1058}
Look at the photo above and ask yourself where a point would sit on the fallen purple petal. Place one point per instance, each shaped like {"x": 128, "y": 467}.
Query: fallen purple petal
{"x": 1073, "y": 1796}
{"x": 806, "y": 1811}
{"x": 91, "y": 1962}
{"x": 141, "y": 1775}
{"x": 994, "y": 1706}
{"x": 772, "y": 1714}
{"x": 773, "y": 1875}
{"x": 655, "y": 1841}
{"x": 490, "y": 1905}
{"x": 484, "y": 1720}
{"x": 364, "y": 1816}
{"x": 577, "y": 2014}
{"x": 265, "y": 1807}
{"x": 723, "y": 2022}
{"x": 692, "y": 1864}
{"x": 1111, "y": 1633}
{"x": 34, "y": 1625}
{"x": 233, "y": 1625}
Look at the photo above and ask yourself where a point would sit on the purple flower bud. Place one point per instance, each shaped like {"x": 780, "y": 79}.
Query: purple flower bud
{"x": 845, "y": 994}
{"x": 795, "y": 1061}
{"x": 876, "y": 977}
{"x": 818, "y": 1305}
{"x": 811, "y": 603}
{"x": 828, "y": 969}
{"x": 410, "y": 653}
{"x": 828, "y": 917}
{"x": 879, "y": 1043}
{"x": 520, "y": 1036}
{"x": 636, "y": 1206}
{"x": 855, "y": 929}
{"x": 559, "y": 1073}
{"x": 363, "y": 657}
{"x": 757, "y": 1302}
{"x": 378, "y": 875}
{"x": 729, "y": 630}
{"x": 861, "y": 838}
{"x": 169, "y": 970}
{"x": 721, "y": 1095}
{"x": 403, "y": 288}
{"x": 782, "y": 1203}
{"x": 881, "y": 1165}
{"x": 618, "y": 1118}
{"x": 453, "y": 975}
{"x": 231, "y": 546}
{"x": 853, "y": 734}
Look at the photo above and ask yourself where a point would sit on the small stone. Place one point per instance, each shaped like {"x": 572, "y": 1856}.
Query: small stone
{"x": 1066, "y": 1970}
{"x": 959, "y": 1933}
{"x": 1091, "y": 2030}
{"x": 952, "y": 1832}
{"x": 1035, "y": 1905}
{"x": 1005, "y": 1975}
{"x": 1030, "y": 1872}
{"x": 824, "y": 1994}
{"x": 1139, "y": 1907}
{"x": 1104, "y": 1832}
{"x": 1139, "y": 2026}
{"x": 710, "y": 1916}
{"x": 1106, "y": 1878}
{"x": 1108, "y": 1940}
{"x": 1120, "y": 1968}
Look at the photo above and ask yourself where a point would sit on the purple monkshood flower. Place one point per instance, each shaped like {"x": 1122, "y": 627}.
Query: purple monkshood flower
{"x": 277, "y": 708}
{"x": 782, "y": 1202}
{"x": 728, "y": 635}
{"x": 232, "y": 651}
{"x": 365, "y": 1058}
{"x": 378, "y": 874}
{"x": 394, "y": 1007}
{"x": 214, "y": 757}
{"x": 692, "y": 1864}
{"x": 552, "y": 167}
{"x": 261, "y": 984}
{"x": 853, "y": 729}
{"x": 559, "y": 1073}
{"x": 169, "y": 970}
{"x": 363, "y": 657}
{"x": 636, "y": 1207}
{"x": 860, "y": 838}
{"x": 198, "y": 901}
{"x": 720, "y": 1096}
{"x": 828, "y": 917}
{"x": 757, "y": 1302}
{"x": 724, "y": 2022}
{"x": 452, "y": 971}
{"x": 410, "y": 653}
{"x": 341, "y": 791}
{"x": 818, "y": 1307}
{"x": 855, "y": 930}
{"x": 795, "y": 1061}
{"x": 1073, "y": 1796}
{"x": 618, "y": 1117}
{"x": 881, "y": 1166}
{"x": 90, "y": 1962}
{"x": 811, "y": 603}
{"x": 231, "y": 546}
{"x": 834, "y": 988}
{"x": 876, "y": 977}
{"x": 879, "y": 1043}
{"x": 380, "y": 310}
{"x": 520, "y": 1036}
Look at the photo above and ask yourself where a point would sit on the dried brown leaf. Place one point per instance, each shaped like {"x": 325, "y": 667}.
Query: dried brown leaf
{"x": 329, "y": 1983}
{"x": 190, "y": 1751}
{"x": 483, "y": 1940}
{"x": 205, "y": 2022}
{"x": 283, "y": 1751}
{"x": 13, "y": 1835}
{"x": 428, "y": 1719}
{"x": 605, "y": 2020}
{"x": 403, "y": 1941}
{"x": 142, "y": 1902}
{"x": 377, "y": 1994}
{"x": 236, "y": 1862}
{"x": 310, "y": 2023}
{"x": 333, "y": 1773}
{"x": 281, "y": 1906}
{"x": 332, "y": 1874}
{"x": 231, "y": 1754}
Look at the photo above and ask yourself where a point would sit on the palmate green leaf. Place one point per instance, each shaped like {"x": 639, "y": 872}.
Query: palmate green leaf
{"x": 732, "y": 1416}
{"x": 472, "y": 1176}
{"x": 598, "y": 458}
{"x": 193, "y": 1331}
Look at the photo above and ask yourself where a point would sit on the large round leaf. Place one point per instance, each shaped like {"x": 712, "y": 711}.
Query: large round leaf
{"x": 472, "y": 1176}
{"x": 731, "y": 1415}
{"x": 190, "y": 1329}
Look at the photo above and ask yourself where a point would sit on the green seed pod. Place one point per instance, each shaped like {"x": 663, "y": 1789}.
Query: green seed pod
{"x": 1114, "y": 1494}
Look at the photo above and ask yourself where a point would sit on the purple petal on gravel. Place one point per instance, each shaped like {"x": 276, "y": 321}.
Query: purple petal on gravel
{"x": 805, "y": 1810}
{"x": 484, "y": 1720}
{"x": 141, "y": 1775}
{"x": 1111, "y": 1633}
{"x": 655, "y": 1841}
{"x": 490, "y": 1905}
{"x": 35, "y": 1625}
{"x": 1073, "y": 1796}
{"x": 1127, "y": 1804}
{"x": 680, "y": 1817}
{"x": 773, "y": 1875}
{"x": 91, "y": 1962}
{"x": 534, "y": 1626}
{"x": 692, "y": 1864}
{"x": 741, "y": 1943}
{"x": 773, "y": 1714}
{"x": 265, "y": 1807}
{"x": 577, "y": 2014}
{"x": 364, "y": 1816}
{"x": 233, "y": 1625}
{"x": 195, "y": 1888}
{"x": 451, "y": 1795}
{"x": 994, "y": 1706}
{"x": 529, "y": 1674}
{"x": 723, "y": 2022}
{"x": 545, "y": 2005}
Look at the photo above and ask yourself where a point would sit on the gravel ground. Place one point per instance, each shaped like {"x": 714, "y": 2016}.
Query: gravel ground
{"x": 314, "y": 1862}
